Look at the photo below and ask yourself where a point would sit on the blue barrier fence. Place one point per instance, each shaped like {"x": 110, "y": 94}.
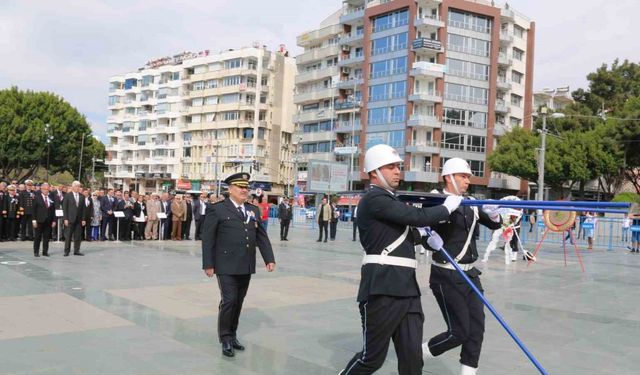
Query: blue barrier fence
{"x": 607, "y": 232}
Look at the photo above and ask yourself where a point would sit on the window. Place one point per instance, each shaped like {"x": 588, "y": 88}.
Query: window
{"x": 515, "y": 122}
{"x": 231, "y": 115}
{"x": 389, "y": 44}
{"x": 468, "y": 69}
{"x": 232, "y": 64}
{"x": 197, "y": 86}
{"x": 231, "y": 81}
{"x": 309, "y": 148}
{"x": 211, "y": 100}
{"x": 324, "y": 147}
{"x": 186, "y": 152}
{"x": 469, "y": 21}
{"x": 453, "y": 141}
{"x": 229, "y": 98}
{"x": 212, "y": 84}
{"x": 476, "y": 143}
{"x": 477, "y": 167}
{"x": 516, "y": 77}
{"x": 396, "y": 138}
{"x": 247, "y": 133}
{"x": 200, "y": 69}
{"x": 516, "y": 100}
{"x": 389, "y": 20}
{"x": 518, "y": 54}
{"x": 186, "y": 136}
{"x": 468, "y": 45}
{"x": 114, "y": 100}
{"x": 518, "y": 31}
{"x": 261, "y": 132}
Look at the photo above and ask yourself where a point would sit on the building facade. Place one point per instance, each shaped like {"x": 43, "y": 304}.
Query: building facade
{"x": 188, "y": 121}
{"x": 435, "y": 79}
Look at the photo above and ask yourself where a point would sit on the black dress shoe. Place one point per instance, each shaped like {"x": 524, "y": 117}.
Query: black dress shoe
{"x": 236, "y": 345}
{"x": 79, "y": 254}
{"x": 36, "y": 255}
{"x": 227, "y": 349}
{"x": 286, "y": 239}
{"x": 45, "y": 254}
{"x": 318, "y": 240}
{"x": 66, "y": 254}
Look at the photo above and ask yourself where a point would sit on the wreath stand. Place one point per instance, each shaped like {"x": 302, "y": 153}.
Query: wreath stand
{"x": 560, "y": 221}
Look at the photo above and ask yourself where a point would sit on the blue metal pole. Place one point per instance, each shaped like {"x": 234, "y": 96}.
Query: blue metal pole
{"x": 584, "y": 204}
{"x": 495, "y": 313}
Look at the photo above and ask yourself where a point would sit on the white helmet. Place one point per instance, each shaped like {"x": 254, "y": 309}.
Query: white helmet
{"x": 380, "y": 155}
{"x": 456, "y": 165}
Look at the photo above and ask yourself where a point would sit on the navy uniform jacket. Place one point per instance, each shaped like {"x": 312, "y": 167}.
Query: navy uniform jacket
{"x": 382, "y": 219}
{"x": 454, "y": 233}
{"x": 229, "y": 242}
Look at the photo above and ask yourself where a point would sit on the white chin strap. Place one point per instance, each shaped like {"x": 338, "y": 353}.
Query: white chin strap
{"x": 455, "y": 186}
{"x": 383, "y": 182}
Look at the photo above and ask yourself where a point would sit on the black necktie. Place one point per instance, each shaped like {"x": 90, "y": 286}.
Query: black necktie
{"x": 241, "y": 212}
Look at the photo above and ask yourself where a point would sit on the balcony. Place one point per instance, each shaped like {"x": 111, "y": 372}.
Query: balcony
{"x": 427, "y": 47}
{"x": 351, "y": 60}
{"x": 318, "y": 137}
{"x": 352, "y": 39}
{"x": 426, "y": 97}
{"x": 424, "y": 121}
{"x": 428, "y": 23}
{"x": 503, "y": 84}
{"x": 426, "y": 69}
{"x": 422, "y": 176}
{"x": 347, "y": 126}
{"x": 500, "y": 129}
{"x": 349, "y": 83}
{"x": 505, "y": 37}
{"x": 504, "y": 59}
{"x": 347, "y": 106}
{"x": 423, "y": 148}
{"x": 316, "y": 75}
{"x": 501, "y": 106}
{"x": 346, "y": 150}
{"x": 313, "y": 95}
{"x": 352, "y": 16}
{"x": 503, "y": 181}
{"x": 308, "y": 116}
{"x": 314, "y": 36}
{"x": 317, "y": 54}
{"x": 507, "y": 14}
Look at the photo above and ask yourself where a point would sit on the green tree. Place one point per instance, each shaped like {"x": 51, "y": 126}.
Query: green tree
{"x": 23, "y": 146}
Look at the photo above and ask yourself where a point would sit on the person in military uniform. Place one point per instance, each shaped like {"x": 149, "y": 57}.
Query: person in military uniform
{"x": 26, "y": 201}
{"x": 13, "y": 213}
{"x": 230, "y": 233}
{"x": 389, "y": 295}
{"x": 461, "y": 308}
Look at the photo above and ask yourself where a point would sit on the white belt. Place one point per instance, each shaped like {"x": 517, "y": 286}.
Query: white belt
{"x": 390, "y": 260}
{"x": 449, "y": 266}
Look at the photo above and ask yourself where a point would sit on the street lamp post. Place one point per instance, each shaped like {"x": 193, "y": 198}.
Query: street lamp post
{"x": 543, "y": 144}
{"x": 49, "y": 139}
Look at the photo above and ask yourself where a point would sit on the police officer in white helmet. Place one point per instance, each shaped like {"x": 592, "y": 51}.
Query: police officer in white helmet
{"x": 389, "y": 296}
{"x": 461, "y": 308}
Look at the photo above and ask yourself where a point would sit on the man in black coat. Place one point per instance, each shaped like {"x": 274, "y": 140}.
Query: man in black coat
{"x": 199, "y": 208}
{"x": 74, "y": 218}
{"x": 285, "y": 214}
{"x": 231, "y": 232}
{"x": 389, "y": 295}
{"x": 186, "y": 224}
{"x": 88, "y": 214}
{"x": 107, "y": 204}
{"x": 43, "y": 220}
{"x": 12, "y": 213}
{"x": 3, "y": 209}
{"x": 165, "y": 224}
{"x": 462, "y": 309}
{"x": 26, "y": 202}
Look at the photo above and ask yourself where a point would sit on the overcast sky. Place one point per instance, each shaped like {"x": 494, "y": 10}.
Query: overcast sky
{"x": 73, "y": 47}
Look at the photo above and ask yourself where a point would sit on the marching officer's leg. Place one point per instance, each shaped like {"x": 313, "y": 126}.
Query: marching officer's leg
{"x": 407, "y": 339}
{"x": 452, "y": 301}
{"x": 470, "y": 353}
{"x": 380, "y": 317}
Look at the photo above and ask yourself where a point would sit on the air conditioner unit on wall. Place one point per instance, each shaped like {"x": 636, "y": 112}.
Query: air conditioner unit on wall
{"x": 345, "y": 70}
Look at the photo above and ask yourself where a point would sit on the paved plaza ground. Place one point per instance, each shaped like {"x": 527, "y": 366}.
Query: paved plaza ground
{"x": 146, "y": 308}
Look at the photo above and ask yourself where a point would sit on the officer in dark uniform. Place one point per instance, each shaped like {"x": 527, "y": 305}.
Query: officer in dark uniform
{"x": 230, "y": 233}
{"x": 461, "y": 308}
{"x": 26, "y": 201}
{"x": 389, "y": 295}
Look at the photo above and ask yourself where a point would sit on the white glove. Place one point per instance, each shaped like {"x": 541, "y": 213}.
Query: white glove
{"x": 492, "y": 211}
{"x": 434, "y": 241}
{"x": 452, "y": 202}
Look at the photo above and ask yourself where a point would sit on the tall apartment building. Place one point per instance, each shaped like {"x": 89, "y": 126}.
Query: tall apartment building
{"x": 435, "y": 79}
{"x": 190, "y": 120}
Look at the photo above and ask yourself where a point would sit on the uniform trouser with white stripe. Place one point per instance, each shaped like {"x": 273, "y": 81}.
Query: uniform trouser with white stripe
{"x": 463, "y": 313}
{"x": 386, "y": 318}
{"x": 233, "y": 289}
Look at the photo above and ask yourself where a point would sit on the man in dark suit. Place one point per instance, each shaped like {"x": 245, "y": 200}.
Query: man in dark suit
{"x": 199, "y": 208}
{"x": 88, "y": 214}
{"x": 26, "y": 202}
{"x": 165, "y": 224}
{"x": 43, "y": 220}
{"x": 231, "y": 232}
{"x": 285, "y": 214}
{"x": 107, "y": 204}
{"x": 186, "y": 224}
{"x": 74, "y": 213}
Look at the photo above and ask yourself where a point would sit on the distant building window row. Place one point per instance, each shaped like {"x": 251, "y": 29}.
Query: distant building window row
{"x": 468, "y": 94}
{"x": 391, "y": 20}
{"x": 461, "y": 117}
{"x": 388, "y": 67}
{"x": 389, "y": 43}
{"x": 465, "y": 44}
{"x": 469, "y": 21}
{"x": 309, "y": 148}
{"x": 387, "y": 91}
{"x": 477, "y": 166}
{"x": 392, "y": 138}
{"x": 387, "y": 115}
{"x": 468, "y": 69}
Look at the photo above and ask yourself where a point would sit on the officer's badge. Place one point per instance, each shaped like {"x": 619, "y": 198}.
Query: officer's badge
{"x": 251, "y": 216}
